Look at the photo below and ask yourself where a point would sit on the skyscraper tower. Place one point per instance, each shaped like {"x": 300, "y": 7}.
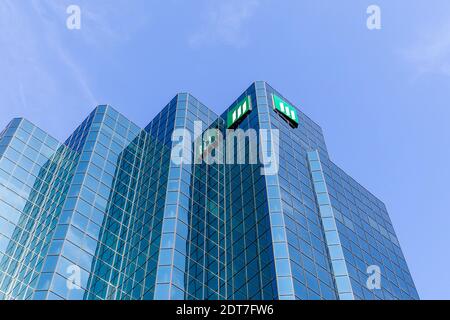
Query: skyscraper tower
{"x": 108, "y": 214}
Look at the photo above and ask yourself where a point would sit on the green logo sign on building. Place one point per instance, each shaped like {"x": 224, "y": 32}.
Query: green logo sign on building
{"x": 288, "y": 111}
{"x": 239, "y": 112}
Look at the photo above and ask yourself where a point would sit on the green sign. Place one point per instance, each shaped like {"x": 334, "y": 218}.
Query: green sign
{"x": 288, "y": 111}
{"x": 239, "y": 112}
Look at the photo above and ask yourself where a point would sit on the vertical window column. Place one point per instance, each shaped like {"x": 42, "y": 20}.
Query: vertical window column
{"x": 170, "y": 275}
{"x": 285, "y": 284}
{"x": 336, "y": 254}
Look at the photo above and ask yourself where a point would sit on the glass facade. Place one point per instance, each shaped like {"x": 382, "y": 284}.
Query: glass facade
{"x": 108, "y": 215}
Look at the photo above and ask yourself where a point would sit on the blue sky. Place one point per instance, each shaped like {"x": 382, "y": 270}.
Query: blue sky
{"x": 382, "y": 97}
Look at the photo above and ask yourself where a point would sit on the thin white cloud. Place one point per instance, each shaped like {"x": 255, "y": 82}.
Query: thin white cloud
{"x": 20, "y": 56}
{"x": 225, "y": 23}
{"x": 40, "y": 59}
{"x": 53, "y": 37}
{"x": 32, "y": 49}
{"x": 431, "y": 54}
